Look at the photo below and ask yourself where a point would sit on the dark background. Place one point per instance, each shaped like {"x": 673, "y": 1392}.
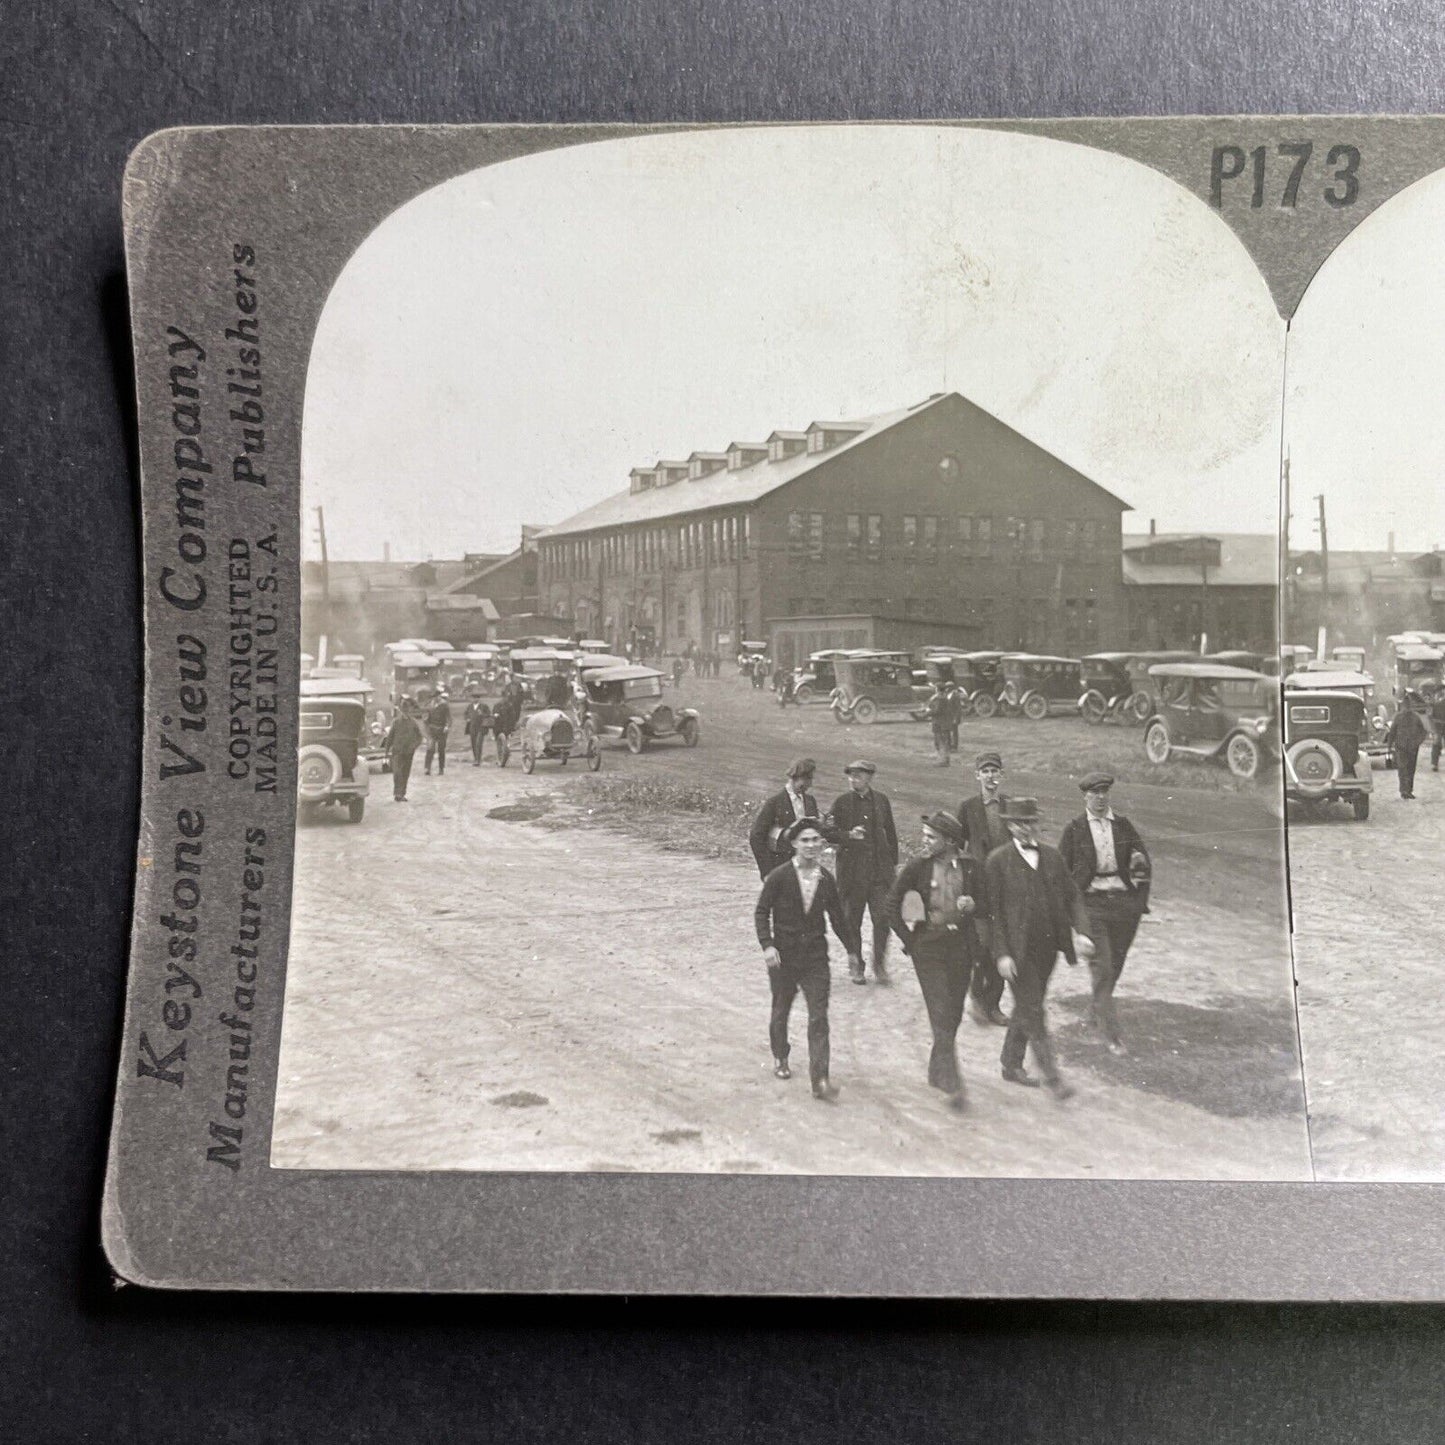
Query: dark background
{"x": 80, "y": 84}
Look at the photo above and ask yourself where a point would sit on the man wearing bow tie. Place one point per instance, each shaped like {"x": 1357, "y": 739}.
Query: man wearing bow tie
{"x": 1037, "y": 917}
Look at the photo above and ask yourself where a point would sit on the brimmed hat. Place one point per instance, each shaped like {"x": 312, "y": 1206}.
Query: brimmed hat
{"x": 948, "y": 826}
{"x": 801, "y": 825}
{"x": 802, "y": 767}
{"x": 861, "y": 765}
{"x": 1091, "y": 782}
{"x": 1020, "y": 810}
{"x": 988, "y": 760}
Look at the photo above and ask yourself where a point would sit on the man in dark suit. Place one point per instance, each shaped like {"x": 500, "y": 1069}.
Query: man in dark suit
{"x": 982, "y": 818}
{"x": 943, "y": 887}
{"x": 1404, "y": 735}
{"x": 1037, "y": 917}
{"x": 782, "y": 809}
{"x": 1110, "y": 867}
{"x": 438, "y": 725}
{"x": 798, "y": 900}
{"x": 862, "y": 820}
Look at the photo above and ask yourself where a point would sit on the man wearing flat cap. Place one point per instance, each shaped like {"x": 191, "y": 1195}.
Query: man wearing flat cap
{"x": 862, "y": 819}
{"x": 798, "y": 900}
{"x": 931, "y": 906}
{"x": 794, "y": 802}
{"x": 1037, "y": 918}
{"x": 1110, "y": 867}
{"x": 981, "y": 815}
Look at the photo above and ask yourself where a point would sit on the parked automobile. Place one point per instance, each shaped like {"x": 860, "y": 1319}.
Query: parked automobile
{"x": 874, "y": 685}
{"x": 626, "y": 702}
{"x": 413, "y": 675}
{"x": 1294, "y": 657}
{"x": 1236, "y": 657}
{"x": 534, "y": 667}
{"x": 934, "y": 669}
{"x": 1212, "y": 710}
{"x": 1037, "y": 685}
{"x": 815, "y": 680}
{"x": 330, "y": 769}
{"x": 557, "y": 736}
{"x": 1349, "y": 659}
{"x": 1108, "y": 687}
{"x": 749, "y": 650}
{"x": 1144, "y": 700}
{"x": 1415, "y": 666}
{"x": 980, "y": 682}
{"x": 1373, "y": 723}
{"x": 1324, "y": 761}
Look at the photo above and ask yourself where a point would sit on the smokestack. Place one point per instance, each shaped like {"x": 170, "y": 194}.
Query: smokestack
{"x": 386, "y": 551}
{"x": 1152, "y": 527}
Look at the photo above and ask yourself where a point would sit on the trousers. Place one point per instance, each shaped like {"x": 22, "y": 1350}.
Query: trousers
{"x": 811, "y": 977}
{"x": 436, "y": 747}
{"x": 400, "y": 773}
{"x": 871, "y": 897}
{"x": 987, "y": 983}
{"x": 1113, "y": 922}
{"x": 942, "y": 741}
{"x": 1027, "y": 1026}
{"x": 943, "y": 968}
{"x": 1405, "y": 760}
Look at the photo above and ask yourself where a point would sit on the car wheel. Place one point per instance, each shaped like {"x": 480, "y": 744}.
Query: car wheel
{"x": 965, "y": 705}
{"x": 1138, "y": 708}
{"x": 865, "y": 711}
{"x": 633, "y": 738}
{"x": 839, "y": 716}
{"x": 1093, "y": 709}
{"x": 985, "y": 704}
{"x": 803, "y": 694}
{"x": 1036, "y": 707}
{"x": 529, "y": 760}
{"x": 1315, "y": 765}
{"x": 356, "y": 809}
{"x": 594, "y": 755}
{"x": 690, "y": 731}
{"x": 1156, "y": 743}
{"x": 1361, "y": 804}
{"x": 1242, "y": 754}
{"x": 318, "y": 770}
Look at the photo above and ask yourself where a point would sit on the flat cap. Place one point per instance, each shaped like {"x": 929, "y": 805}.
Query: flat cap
{"x": 947, "y": 826}
{"x": 1092, "y": 782}
{"x": 988, "y": 760}
{"x": 861, "y": 765}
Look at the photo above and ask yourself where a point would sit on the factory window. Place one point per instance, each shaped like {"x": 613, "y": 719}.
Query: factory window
{"x": 983, "y": 537}
{"x": 815, "y": 536}
{"x": 796, "y": 538}
{"x": 930, "y": 539}
{"x": 855, "y": 534}
{"x": 910, "y": 534}
{"x": 1071, "y": 539}
{"x": 873, "y": 537}
{"x": 1089, "y": 533}
{"x": 965, "y": 536}
{"x": 747, "y": 534}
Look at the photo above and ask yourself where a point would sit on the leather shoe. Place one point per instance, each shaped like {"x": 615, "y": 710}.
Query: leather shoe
{"x": 881, "y": 974}
{"x": 856, "y": 976}
{"x": 957, "y": 1101}
{"x": 1060, "y": 1090}
{"x": 1020, "y": 1076}
{"x": 824, "y": 1089}
{"x": 781, "y": 1069}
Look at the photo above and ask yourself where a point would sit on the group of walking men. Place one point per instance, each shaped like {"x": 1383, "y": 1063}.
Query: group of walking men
{"x": 430, "y": 721}
{"x": 986, "y": 903}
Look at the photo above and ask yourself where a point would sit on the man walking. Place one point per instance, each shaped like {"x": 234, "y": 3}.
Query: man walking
{"x": 1037, "y": 917}
{"x": 942, "y": 944}
{"x": 939, "y": 724}
{"x": 779, "y": 812}
{"x": 982, "y": 818}
{"x": 862, "y": 819}
{"x": 798, "y": 900}
{"x": 402, "y": 740}
{"x": 479, "y": 724}
{"x": 1110, "y": 867}
{"x": 505, "y": 717}
{"x": 1405, "y": 734}
{"x": 438, "y": 725}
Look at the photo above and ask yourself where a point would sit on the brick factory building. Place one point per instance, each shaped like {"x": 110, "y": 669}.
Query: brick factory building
{"x": 936, "y": 523}
{"x": 1224, "y": 585}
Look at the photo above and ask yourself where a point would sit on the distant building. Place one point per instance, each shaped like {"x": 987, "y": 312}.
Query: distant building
{"x": 934, "y": 523}
{"x": 1371, "y": 595}
{"x": 1183, "y": 585}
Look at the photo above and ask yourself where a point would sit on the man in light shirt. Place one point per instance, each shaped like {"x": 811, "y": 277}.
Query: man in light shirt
{"x": 1110, "y": 867}
{"x": 781, "y": 811}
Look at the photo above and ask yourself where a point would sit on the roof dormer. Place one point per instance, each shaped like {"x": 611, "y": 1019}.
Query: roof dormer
{"x": 670, "y": 472}
{"x": 703, "y": 464}
{"x": 784, "y": 444}
{"x": 642, "y": 479}
{"x": 823, "y": 435}
{"x": 745, "y": 454}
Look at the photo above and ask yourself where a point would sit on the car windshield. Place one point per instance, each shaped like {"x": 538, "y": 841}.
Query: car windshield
{"x": 1244, "y": 695}
{"x": 642, "y": 687}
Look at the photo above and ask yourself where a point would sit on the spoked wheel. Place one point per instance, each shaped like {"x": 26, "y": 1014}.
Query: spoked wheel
{"x": 1156, "y": 743}
{"x": 690, "y": 731}
{"x": 1243, "y": 756}
{"x": 865, "y": 711}
{"x": 1036, "y": 707}
{"x": 985, "y": 704}
{"x": 594, "y": 754}
{"x": 1138, "y": 708}
{"x": 1093, "y": 709}
{"x": 802, "y": 694}
{"x": 633, "y": 738}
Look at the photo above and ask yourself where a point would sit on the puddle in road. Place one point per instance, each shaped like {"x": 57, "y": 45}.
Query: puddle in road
{"x": 678, "y": 1136}
{"x": 520, "y": 1099}
{"x": 526, "y": 811}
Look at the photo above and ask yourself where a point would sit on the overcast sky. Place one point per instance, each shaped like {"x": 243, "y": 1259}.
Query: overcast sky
{"x": 1366, "y": 395}
{"x": 505, "y": 347}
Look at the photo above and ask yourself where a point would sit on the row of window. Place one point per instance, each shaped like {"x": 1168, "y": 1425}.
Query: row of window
{"x": 978, "y": 609}
{"x": 715, "y": 542}
{"x": 924, "y": 538}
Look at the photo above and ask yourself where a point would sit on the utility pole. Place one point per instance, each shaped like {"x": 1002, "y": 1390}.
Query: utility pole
{"x": 325, "y": 630}
{"x": 1324, "y": 574}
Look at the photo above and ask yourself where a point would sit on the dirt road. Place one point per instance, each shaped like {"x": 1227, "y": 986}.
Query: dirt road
{"x": 475, "y": 992}
{"x": 1368, "y": 955}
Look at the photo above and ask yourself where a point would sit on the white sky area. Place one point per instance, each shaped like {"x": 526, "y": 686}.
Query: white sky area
{"x": 1366, "y": 382}
{"x": 503, "y": 348}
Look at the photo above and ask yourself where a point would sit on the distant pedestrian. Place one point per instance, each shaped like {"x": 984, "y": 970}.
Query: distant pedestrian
{"x": 505, "y": 716}
{"x": 954, "y": 712}
{"x": 862, "y": 819}
{"x": 679, "y": 669}
{"x": 438, "y": 725}
{"x": 981, "y": 815}
{"x": 779, "y": 812}
{"x": 478, "y": 725}
{"x": 938, "y": 722}
{"x": 799, "y": 899}
{"x": 1405, "y": 735}
{"x": 402, "y": 740}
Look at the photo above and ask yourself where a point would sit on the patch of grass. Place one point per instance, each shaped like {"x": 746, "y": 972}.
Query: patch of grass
{"x": 688, "y": 817}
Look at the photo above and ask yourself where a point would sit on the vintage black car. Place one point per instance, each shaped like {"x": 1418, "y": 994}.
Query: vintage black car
{"x": 330, "y": 768}
{"x": 1373, "y": 725}
{"x": 557, "y": 735}
{"x": 626, "y": 702}
{"x": 815, "y": 680}
{"x": 1211, "y": 710}
{"x": 1108, "y": 687}
{"x": 1324, "y": 747}
{"x": 1037, "y": 686}
{"x": 980, "y": 682}
{"x": 873, "y": 685}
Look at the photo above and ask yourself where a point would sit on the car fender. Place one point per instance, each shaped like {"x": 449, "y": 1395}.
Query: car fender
{"x": 688, "y": 712}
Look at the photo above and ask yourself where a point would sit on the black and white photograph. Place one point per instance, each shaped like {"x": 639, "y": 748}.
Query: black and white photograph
{"x": 790, "y": 673}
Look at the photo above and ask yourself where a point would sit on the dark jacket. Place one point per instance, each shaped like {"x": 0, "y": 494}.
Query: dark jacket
{"x": 1407, "y": 731}
{"x": 1077, "y": 849}
{"x": 974, "y": 817}
{"x": 1032, "y": 912}
{"x": 776, "y": 813}
{"x": 873, "y": 859}
{"x": 916, "y": 876}
{"x": 479, "y": 717}
{"x": 508, "y": 711}
{"x": 781, "y": 922}
{"x": 439, "y": 718}
{"x": 403, "y": 736}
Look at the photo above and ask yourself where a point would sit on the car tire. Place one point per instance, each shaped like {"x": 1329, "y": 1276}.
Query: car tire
{"x": 356, "y": 809}
{"x": 318, "y": 770}
{"x": 1093, "y": 708}
{"x": 1361, "y": 804}
{"x": 865, "y": 711}
{"x": 529, "y": 760}
{"x": 1036, "y": 707}
{"x": 1243, "y": 756}
{"x": 594, "y": 754}
{"x": 1321, "y": 764}
{"x": 1156, "y": 744}
{"x": 689, "y": 731}
{"x": 840, "y": 717}
{"x": 985, "y": 704}
{"x": 633, "y": 738}
{"x": 803, "y": 694}
{"x": 1138, "y": 708}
